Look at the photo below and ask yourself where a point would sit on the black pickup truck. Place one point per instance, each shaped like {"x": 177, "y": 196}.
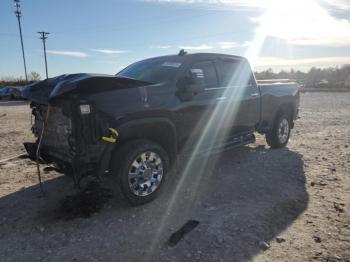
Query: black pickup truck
{"x": 141, "y": 122}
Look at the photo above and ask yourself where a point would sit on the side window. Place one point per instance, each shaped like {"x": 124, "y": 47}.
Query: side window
{"x": 234, "y": 72}
{"x": 206, "y": 70}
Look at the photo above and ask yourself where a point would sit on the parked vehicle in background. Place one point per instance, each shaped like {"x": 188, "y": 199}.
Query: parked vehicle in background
{"x": 18, "y": 93}
{"x": 3, "y": 92}
{"x": 138, "y": 123}
{"x": 9, "y": 92}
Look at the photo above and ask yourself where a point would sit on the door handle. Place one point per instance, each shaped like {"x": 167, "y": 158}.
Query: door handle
{"x": 254, "y": 94}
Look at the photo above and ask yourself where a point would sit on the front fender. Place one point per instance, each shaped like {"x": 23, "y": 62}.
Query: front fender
{"x": 158, "y": 129}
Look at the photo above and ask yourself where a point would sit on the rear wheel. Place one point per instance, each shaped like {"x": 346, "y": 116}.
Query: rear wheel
{"x": 140, "y": 167}
{"x": 279, "y": 135}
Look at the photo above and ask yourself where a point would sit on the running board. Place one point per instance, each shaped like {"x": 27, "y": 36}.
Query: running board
{"x": 234, "y": 143}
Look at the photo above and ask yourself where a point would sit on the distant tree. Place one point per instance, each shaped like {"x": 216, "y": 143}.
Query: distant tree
{"x": 34, "y": 76}
{"x": 316, "y": 77}
{"x": 12, "y": 81}
{"x": 266, "y": 74}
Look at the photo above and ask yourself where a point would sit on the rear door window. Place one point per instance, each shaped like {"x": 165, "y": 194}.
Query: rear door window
{"x": 233, "y": 72}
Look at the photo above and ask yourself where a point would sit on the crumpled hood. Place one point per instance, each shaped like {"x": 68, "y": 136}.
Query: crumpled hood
{"x": 44, "y": 91}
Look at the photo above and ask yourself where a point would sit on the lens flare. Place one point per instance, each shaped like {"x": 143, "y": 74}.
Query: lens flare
{"x": 270, "y": 23}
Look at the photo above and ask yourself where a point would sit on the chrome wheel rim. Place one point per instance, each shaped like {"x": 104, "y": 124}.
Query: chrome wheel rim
{"x": 283, "y": 131}
{"x": 145, "y": 173}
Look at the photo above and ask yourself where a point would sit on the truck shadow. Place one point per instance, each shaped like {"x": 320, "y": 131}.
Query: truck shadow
{"x": 240, "y": 197}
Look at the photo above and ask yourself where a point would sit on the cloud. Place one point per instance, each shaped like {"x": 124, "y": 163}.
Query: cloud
{"x": 67, "y": 53}
{"x": 110, "y": 51}
{"x": 338, "y": 4}
{"x": 300, "y": 22}
{"x": 304, "y": 23}
{"x": 288, "y": 62}
{"x": 241, "y": 3}
{"x": 221, "y": 45}
{"x": 196, "y": 47}
{"x": 161, "y": 46}
{"x": 231, "y": 45}
{"x": 259, "y": 4}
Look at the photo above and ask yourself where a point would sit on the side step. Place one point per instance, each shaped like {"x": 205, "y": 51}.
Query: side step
{"x": 234, "y": 143}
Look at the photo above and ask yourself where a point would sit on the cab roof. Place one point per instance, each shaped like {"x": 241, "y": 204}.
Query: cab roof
{"x": 199, "y": 56}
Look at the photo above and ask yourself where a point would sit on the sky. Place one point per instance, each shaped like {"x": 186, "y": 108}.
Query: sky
{"x": 105, "y": 36}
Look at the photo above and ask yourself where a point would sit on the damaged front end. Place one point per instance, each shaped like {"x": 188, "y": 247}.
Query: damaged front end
{"x": 70, "y": 138}
{"x": 73, "y": 130}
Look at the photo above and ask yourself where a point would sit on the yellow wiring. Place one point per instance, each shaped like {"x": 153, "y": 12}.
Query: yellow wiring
{"x": 113, "y": 137}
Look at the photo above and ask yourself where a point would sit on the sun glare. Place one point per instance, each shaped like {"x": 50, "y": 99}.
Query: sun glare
{"x": 303, "y": 22}
{"x": 297, "y": 22}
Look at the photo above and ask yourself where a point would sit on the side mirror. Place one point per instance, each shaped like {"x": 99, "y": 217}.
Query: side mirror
{"x": 191, "y": 84}
{"x": 196, "y": 81}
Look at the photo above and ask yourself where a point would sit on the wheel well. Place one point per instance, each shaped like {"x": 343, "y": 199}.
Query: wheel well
{"x": 162, "y": 133}
{"x": 267, "y": 125}
{"x": 287, "y": 109}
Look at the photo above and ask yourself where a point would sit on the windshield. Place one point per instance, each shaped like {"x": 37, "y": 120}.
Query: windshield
{"x": 153, "y": 70}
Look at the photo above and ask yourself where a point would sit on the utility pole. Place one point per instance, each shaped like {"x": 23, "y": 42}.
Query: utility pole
{"x": 44, "y": 37}
{"x": 18, "y": 14}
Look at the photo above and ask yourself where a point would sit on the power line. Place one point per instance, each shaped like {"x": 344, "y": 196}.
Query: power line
{"x": 44, "y": 37}
{"x": 18, "y": 15}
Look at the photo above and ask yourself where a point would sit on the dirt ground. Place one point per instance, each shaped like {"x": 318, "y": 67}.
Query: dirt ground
{"x": 252, "y": 203}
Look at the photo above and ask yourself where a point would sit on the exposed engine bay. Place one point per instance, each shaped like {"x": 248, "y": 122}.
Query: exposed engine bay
{"x": 58, "y": 131}
{"x": 69, "y": 138}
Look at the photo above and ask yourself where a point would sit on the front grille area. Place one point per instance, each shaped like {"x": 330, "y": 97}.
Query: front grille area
{"x": 68, "y": 138}
{"x": 57, "y": 132}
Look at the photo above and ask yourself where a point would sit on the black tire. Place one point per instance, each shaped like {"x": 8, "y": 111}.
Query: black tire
{"x": 278, "y": 136}
{"x": 122, "y": 162}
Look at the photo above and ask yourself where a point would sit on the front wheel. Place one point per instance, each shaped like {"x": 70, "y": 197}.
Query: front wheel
{"x": 279, "y": 135}
{"x": 141, "y": 167}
